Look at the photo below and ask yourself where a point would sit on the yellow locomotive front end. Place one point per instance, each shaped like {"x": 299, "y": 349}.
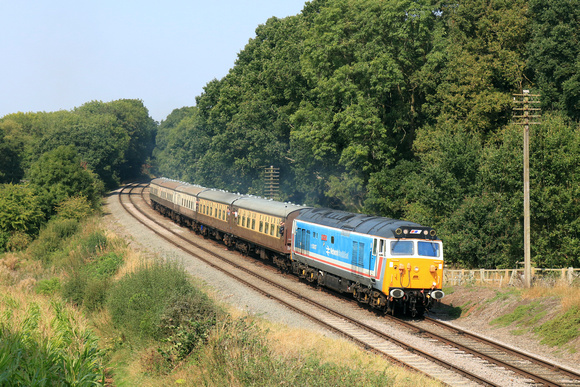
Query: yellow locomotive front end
{"x": 414, "y": 270}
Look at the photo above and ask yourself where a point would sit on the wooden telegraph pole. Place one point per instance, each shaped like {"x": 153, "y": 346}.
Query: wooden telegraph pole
{"x": 524, "y": 102}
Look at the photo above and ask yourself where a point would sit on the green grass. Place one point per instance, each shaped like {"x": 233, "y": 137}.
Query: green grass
{"x": 525, "y": 315}
{"x": 560, "y": 330}
{"x": 31, "y": 357}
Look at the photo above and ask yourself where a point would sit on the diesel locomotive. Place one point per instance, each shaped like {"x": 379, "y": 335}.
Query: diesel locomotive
{"x": 392, "y": 265}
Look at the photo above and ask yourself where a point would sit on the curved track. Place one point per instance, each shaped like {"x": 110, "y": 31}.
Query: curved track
{"x": 535, "y": 371}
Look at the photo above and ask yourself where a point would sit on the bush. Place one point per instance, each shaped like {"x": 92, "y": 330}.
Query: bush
{"x": 89, "y": 284}
{"x": 52, "y": 238}
{"x": 18, "y": 241}
{"x": 76, "y": 207}
{"x": 104, "y": 266}
{"x": 94, "y": 243}
{"x": 73, "y": 289}
{"x": 158, "y": 302}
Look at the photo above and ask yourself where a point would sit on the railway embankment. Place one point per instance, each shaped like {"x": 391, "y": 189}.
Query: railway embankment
{"x": 543, "y": 320}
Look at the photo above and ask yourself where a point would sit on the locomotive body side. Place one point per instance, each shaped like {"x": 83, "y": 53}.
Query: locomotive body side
{"x": 383, "y": 262}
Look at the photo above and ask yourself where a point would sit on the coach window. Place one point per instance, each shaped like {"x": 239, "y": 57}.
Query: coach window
{"x": 253, "y": 224}
{"x": 261, "y": 226}
{"x": 272, "y": 229}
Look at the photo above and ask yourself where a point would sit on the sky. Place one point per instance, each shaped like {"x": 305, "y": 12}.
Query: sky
{"x": 60, "y": 54}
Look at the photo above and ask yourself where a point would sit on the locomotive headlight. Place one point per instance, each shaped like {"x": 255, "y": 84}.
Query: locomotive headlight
{"x": 426, "y": 232}
{"x": 416, "y": 269}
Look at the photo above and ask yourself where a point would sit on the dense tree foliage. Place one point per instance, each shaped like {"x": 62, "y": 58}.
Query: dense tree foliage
{"x": 113, "y": 139}
{"x": 402, "y": 108}
{"x": 58, "y": 175}
{"x": 66, "y": 157}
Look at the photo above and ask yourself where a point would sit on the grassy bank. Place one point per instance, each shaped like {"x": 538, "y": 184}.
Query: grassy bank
{"x": 87, "y": 310}
{"x": 547, "y": 315}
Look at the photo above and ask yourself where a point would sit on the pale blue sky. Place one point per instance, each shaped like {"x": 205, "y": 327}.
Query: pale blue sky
{"x": 59, "y": 54}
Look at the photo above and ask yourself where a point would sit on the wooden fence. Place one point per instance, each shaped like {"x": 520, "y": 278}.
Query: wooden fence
{"x": 511, "y": 277}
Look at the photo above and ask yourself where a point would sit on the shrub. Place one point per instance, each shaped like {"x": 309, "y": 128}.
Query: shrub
{"x": 73, "y": 289}
{"x": 52, "y": 238}
{"x": 104, "y": 266}
{"x": 158, "y": 302}
{"x": 94, "y": 242}
{"x": 76, "y": 207}
{"x": 18, "y": 241}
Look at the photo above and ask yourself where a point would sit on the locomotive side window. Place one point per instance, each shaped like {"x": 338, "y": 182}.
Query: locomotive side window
{"x": 428, "y": 249}
{"x": 382, "y": 247}
{"x": 402, "y": 248}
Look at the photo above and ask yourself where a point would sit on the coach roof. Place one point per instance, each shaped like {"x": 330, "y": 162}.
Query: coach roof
{"x": 266, "y": 206}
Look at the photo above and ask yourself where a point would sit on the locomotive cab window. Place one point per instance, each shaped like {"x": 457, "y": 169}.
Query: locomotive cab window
{"x": 402, "y": 248}
{"x": 428, "y": 249}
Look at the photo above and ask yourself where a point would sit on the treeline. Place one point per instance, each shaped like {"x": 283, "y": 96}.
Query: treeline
{"x": 404, "y": 109}
{"x": 51, "y": 163}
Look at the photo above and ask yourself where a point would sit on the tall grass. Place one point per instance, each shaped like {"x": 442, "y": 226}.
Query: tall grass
{"x": 44, "y": 343}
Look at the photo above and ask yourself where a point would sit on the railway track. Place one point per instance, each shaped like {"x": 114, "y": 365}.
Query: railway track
{"x": 498, "y": 359}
